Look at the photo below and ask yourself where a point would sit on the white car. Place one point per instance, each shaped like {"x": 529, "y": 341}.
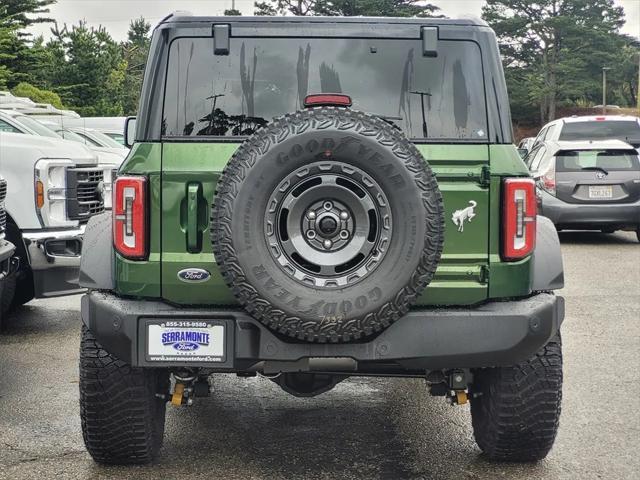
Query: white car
{"x": 53, "y": 188}
{"x": 592, "y": 127}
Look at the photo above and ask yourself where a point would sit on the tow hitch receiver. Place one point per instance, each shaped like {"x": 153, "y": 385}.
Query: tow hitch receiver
{"x": 186, "y": 388}
{"x": 451, "y": 384}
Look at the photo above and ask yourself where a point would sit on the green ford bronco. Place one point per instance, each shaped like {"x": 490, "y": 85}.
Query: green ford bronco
{"x": 311, "y": 199}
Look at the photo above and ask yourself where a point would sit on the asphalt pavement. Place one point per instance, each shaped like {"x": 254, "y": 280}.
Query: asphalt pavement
{"x": 365, "y": 428}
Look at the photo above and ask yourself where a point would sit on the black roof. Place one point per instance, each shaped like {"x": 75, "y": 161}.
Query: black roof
{"x": 185, "y": 17}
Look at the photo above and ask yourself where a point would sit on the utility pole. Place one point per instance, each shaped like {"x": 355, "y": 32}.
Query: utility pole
{"x": 604, "y": 89}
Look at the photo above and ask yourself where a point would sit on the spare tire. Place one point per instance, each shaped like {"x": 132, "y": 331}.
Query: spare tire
{"x": 327, "y": 224}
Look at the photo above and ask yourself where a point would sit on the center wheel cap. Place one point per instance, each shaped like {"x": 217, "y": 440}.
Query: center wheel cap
{"x": 328, "y": 226}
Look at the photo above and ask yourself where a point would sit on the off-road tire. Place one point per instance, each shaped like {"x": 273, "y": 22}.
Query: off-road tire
{"x": 122, "y": 417}
{"x": 515, "y": 410}
{"x": 245, "y": 260}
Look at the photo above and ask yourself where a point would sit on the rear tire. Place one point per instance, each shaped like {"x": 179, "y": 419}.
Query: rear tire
{"x": 638, "y": 234}
{"x": 122, "y": 418}
{"x": 515, "y": 410}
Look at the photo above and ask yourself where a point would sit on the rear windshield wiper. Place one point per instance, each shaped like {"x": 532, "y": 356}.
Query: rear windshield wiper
{"x": 600, "y": 169}
{"x": 391, "y": 120}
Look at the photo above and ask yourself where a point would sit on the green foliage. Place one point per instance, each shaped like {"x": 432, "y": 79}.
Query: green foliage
{"x": 18, "y": 61}
{"x": 554, "y": 51}
{"x": 135, "y": 52}
{"x": 88, "y": 70}
{"x": 347, "y": 8}
{"x": 37, "y": 95}
{"x": 230, "y": 12}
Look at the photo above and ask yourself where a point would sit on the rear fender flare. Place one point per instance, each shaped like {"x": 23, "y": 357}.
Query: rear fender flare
{"x": 548, "y": 271}
{"x": 98, "y": 258}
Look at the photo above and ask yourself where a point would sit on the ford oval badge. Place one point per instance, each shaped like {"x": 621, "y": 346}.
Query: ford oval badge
{"x": 193, "y": 275}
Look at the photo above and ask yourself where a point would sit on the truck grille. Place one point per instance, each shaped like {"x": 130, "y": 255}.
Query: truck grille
{"x": 85, "y": 193}
{"x": 3, "y": 212}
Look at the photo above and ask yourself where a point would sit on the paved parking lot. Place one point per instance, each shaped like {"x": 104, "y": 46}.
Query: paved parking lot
{"x": 365, "y": 428}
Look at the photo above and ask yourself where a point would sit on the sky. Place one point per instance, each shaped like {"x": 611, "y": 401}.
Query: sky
{"x": 115, "y": 15}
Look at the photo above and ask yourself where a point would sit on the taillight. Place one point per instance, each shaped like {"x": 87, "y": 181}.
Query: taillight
{"x": 130, "y": 217}
{"x": 548, "y": 180}
{"x": 519, "y": 211}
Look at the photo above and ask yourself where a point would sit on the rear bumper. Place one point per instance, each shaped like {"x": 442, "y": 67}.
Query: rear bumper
{"x": 494, "y": 334}
{"x": 567, "y": 215}
{"x": 54, "y": 257}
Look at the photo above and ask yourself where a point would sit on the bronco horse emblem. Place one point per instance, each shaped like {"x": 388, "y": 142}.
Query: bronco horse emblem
{"x": 459, "y": 216}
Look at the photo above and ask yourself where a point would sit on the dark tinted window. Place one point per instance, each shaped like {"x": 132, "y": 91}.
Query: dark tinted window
{"x": 231, "y": 95}
{"x": 5, "y": 127}
{"x": 625, "y": 130}
{"x": 577, "y": 160}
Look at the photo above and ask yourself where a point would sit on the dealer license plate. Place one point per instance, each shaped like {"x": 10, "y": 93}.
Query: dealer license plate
{"x": 600, "y": 191}
{"x": 185, "y": 341}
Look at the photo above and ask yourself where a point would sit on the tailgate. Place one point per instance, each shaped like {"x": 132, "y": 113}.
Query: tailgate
{"x": 191, "y": 170}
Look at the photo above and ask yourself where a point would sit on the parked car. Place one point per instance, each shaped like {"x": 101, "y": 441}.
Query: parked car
{"x": 8, "y": 262}
{"x": 112, "y": 126}
{"x": 94, "y": 140}
{"x": 117, "y": 135}
{"x": 13, "y": 121}
{"x": 326, "y": 225}
{"x": 54, "y": 188}
{"x": 526, "y": 143}
{"x": 588, "y": 185}
{"x": 593, "y": 127}
{"x": 100, "y": 139}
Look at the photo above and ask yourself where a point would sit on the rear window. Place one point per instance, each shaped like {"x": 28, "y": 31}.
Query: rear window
{"x": 428, "y": 98}
{"x": 577, "y": 160}
{"x": 601, "y": 130}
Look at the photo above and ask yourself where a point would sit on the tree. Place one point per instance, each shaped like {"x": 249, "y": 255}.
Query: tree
{"x": 553, "y": 50}
{"x": 230, "y": 12}
{"x": 19, "y": 62}
{"x": 375, "y": 8}
{"x": 347, "y": 8}
{"x": 87, "y": 68}
{"x": 37, "y": 95}
{"x": 282, "y": 7}
{"x": 135, "y": 51}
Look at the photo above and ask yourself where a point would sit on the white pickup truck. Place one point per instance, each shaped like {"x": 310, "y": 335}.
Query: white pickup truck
{"x": 54, "y": 187}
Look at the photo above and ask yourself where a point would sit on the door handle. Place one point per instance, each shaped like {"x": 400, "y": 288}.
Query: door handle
{"x": 193, "y": 235}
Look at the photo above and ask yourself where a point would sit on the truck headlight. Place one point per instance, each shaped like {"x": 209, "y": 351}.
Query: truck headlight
{"x": 50, "y": 192}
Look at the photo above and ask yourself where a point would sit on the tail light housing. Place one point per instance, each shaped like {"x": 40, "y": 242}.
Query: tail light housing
{"x": 130, "y": 237}
{"x": 519, "y": 210}
{"x": 547, "y": 181}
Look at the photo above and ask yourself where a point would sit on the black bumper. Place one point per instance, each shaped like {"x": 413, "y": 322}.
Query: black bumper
{"x": 494, "y": 334}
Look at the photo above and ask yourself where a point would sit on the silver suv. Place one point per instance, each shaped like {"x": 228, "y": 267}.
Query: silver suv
{"x": 588, "y": 185}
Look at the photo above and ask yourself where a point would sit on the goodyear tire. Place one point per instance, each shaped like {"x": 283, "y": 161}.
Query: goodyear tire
{"x": 515, "y": 410}
{"x": 122, "y": 417}
{"x": 327, "y": 225}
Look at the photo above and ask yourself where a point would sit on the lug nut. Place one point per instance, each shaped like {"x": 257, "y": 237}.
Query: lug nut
{"x": 344, "y": 215}
{"x": 311, "y": 234}
{"x": 328, "y": 205}
{"x": 311, "y": 214}
{"x": 344, "y": 234}
{"x": 327, "y": 244}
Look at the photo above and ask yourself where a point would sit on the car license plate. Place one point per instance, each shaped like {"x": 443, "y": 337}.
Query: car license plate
{"x": 185, "y": 341}
{"x": 600, "y": 191}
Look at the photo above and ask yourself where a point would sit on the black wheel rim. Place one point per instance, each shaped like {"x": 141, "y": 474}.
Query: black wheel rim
{"x": 328, "y": 225}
